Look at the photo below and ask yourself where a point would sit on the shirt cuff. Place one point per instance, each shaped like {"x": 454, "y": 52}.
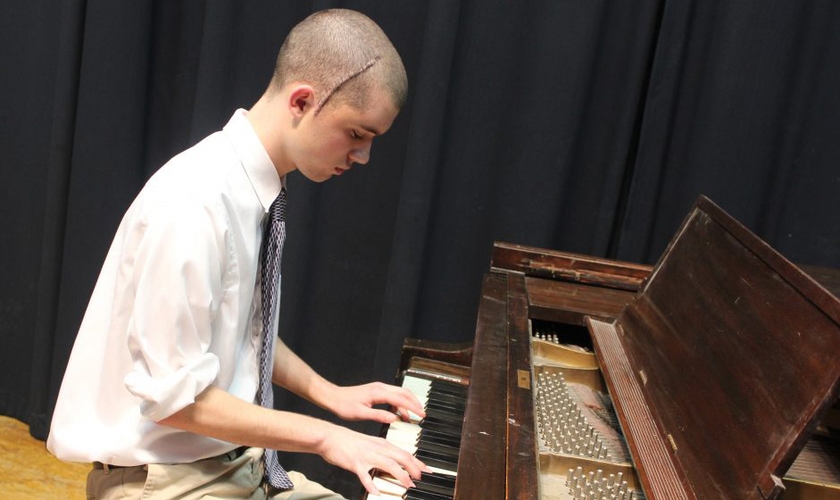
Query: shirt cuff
{"x": 166, "y": 395}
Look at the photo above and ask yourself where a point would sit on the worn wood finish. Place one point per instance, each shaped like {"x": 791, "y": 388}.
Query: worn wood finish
{"x": 739, "y": 353}
{"x": 433, "y": 369}
{"x": 653, "y": 453}
{"x": 827, "y": 277}
{"x": 740, "y": 372}
{"x": 522, "y": 482}
{"x": 456, "y": 354}
{"x": 565, "y": 266}
{"x": 481, "y": 462}
{"x": 570, "y": 303}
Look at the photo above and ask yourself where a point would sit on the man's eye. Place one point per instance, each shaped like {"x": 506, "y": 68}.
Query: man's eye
{"x": 355, "y": 134}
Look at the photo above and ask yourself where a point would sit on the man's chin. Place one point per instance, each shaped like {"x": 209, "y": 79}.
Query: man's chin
{"x": 320, "y": 177}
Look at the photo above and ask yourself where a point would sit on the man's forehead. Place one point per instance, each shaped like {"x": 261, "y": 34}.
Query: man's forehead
{"x": 376, "y": 118}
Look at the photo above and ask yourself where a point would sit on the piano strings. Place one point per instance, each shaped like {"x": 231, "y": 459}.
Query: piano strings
{"x": 576, "y": 421}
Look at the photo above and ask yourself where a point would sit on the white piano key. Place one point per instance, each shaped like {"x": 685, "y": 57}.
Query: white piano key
{"x": 420, "y": 388}
{"x": 416, "y": 381}
{"x": 403, "y": 432}
{"x": 408, "y": 447}
{"x": 405, "y": 427}
{"x": 384, "y": 496}
{"x": 438, "y": 470}
{"x": 388, "y": 485}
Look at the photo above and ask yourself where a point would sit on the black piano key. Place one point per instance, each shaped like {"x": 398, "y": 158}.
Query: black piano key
{"x": 430, "y": 436}
{"x": 439, "y": 416}
{"x": 441, "y": 428}
{"x": 441, "y": 387}
{"x": 444, "y": 412}
{"x": 432, "y": 487}
{"x": 437, "y": 460}
{"x": 435, "y": 478}
{"x": 447, "y": 403}
{"x": 437, "y": 429}
{"x": 413, "y": 494}
{"x": 445, "y": 421}
{"x": 438, "y": 448}
{"x": 446, "y": 399}
{"x": 441, "y": 425}
{"x": 441, "y": 464}
{"x": 454, "y": 421}
{"x": 452, "y": 386}
{"x": 445, "y": 406}
{"x": 436, "y": 455}
{"x": 446, "y": 395}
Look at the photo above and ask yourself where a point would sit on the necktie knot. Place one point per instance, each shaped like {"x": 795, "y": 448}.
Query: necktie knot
{"x": 277, "y": 211}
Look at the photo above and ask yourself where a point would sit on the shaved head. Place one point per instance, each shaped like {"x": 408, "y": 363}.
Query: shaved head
{"x": 343, "y": 55}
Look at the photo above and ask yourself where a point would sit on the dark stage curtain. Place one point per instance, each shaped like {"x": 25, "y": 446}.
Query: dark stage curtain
{"x": 586, "y": 126}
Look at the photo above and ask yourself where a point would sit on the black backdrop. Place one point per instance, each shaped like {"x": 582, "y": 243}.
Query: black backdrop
{"x": 581, "y": 125}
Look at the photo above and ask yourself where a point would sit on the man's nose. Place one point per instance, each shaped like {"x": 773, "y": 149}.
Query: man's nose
{"x": 360, "y": 155}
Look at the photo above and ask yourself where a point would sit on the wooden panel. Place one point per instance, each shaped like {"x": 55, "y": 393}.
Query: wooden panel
{"x": 738, "y": 352}
{"x": 456, "y": 354}
{"x": 481, "y": 462}
{"x": 569, "y": 267}
{"x": 522, "y": 453}
{"x": 570, "y": 302}
{"x": 661, "y": 476}
{"x": 827, "y": 277}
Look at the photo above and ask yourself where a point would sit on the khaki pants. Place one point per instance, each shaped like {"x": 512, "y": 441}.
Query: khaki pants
{"x": 230, "y": 476}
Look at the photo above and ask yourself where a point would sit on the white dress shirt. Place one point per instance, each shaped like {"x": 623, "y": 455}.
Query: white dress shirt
{"x": 175, "y": 308}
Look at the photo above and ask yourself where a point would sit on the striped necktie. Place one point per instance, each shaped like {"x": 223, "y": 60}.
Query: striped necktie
{"x": 271, "y": 255}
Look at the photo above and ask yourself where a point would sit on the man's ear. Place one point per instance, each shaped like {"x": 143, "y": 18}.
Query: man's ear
{"x": 301, "y": 100}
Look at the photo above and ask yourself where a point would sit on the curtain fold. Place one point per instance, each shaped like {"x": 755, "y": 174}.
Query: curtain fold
{"x": 740, "y": 107}
{"x": 29, "y": 311}
{"x": 426, "y": 139}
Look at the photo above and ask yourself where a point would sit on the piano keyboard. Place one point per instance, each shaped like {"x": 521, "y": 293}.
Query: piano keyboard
{"x": 435, "y": 440}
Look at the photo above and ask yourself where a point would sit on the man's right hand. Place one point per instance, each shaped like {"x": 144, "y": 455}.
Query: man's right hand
{"x": 360, "y": 453}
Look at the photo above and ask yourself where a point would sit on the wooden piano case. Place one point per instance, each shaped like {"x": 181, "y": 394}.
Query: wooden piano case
{"x": 720, "y": 362}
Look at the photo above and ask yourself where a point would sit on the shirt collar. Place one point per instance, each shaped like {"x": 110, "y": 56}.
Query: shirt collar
{"x": 255, "y": 160}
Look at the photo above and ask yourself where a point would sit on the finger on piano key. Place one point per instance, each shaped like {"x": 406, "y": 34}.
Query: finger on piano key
{"x": 424, "y": 495}
{"x": 403, "y": 434}
{"x": 430, "y": 486}
{"x": 435, "y": 484}
{"x": 434, "y": 439}
{"x": 388, "y": 485}
{"x": 420, "y": 388}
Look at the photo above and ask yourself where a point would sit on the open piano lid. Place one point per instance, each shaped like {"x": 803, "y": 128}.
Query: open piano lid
{"x": 722, "y": 365}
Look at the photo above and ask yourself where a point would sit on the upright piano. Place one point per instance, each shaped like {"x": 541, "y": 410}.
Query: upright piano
{"x": 714, "y": 374}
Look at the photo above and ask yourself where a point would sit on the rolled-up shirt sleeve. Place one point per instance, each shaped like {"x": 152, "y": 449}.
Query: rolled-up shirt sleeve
{"x": 176, "y": 273}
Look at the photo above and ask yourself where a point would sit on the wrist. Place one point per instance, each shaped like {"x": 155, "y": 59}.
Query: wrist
{"x": 325, "y": 436}
{"x": 323, "y": 393}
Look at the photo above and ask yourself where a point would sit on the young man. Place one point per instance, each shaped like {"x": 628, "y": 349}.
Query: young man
{"x": 161, "y": 391}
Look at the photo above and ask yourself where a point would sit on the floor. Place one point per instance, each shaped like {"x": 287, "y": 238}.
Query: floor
{"x": 29, "y": 472}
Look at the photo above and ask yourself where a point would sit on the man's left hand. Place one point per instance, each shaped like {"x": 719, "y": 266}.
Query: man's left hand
{"x": 357, "y": 402}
